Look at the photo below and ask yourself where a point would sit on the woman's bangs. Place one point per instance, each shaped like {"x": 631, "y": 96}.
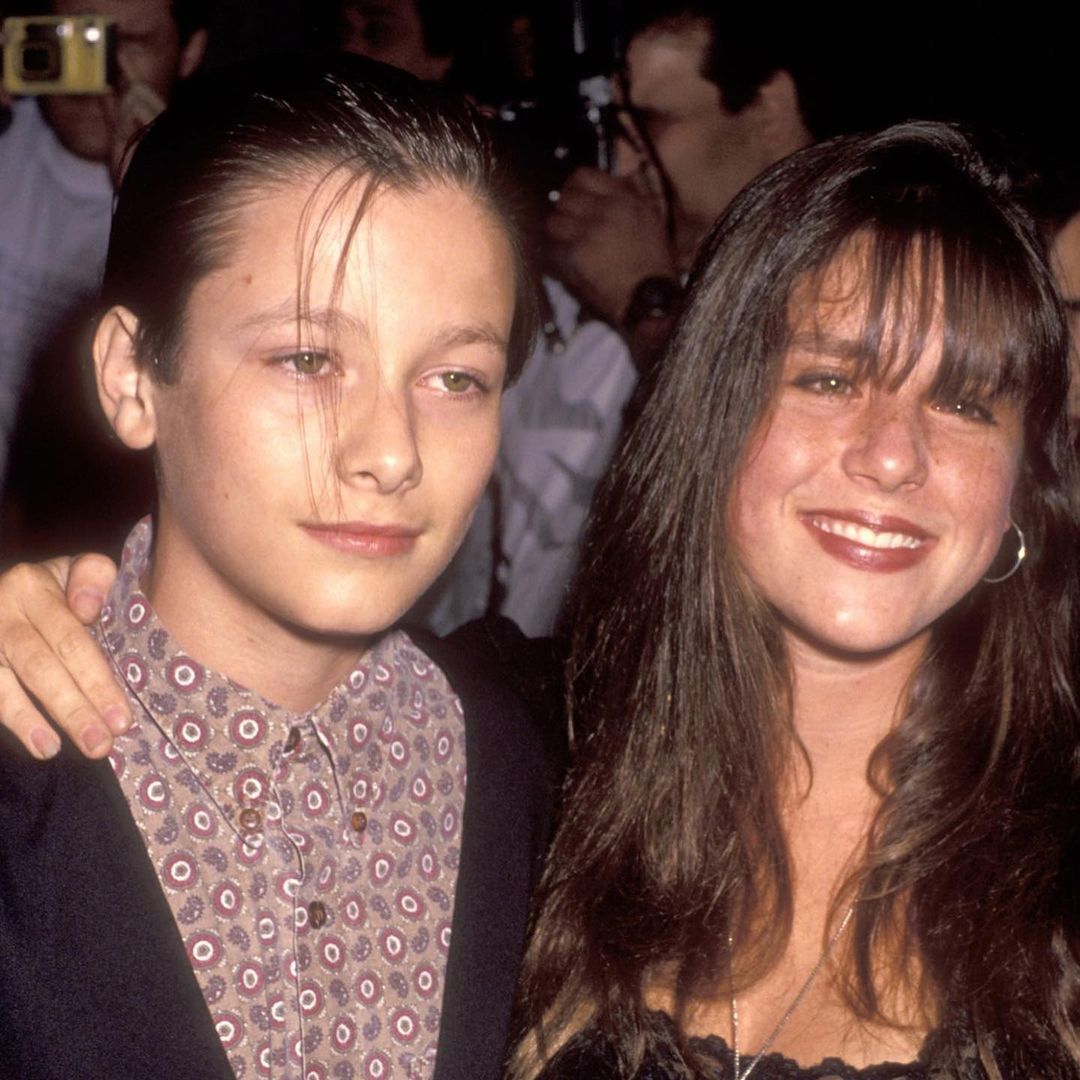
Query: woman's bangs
{"x": 918, "y": 289}
{"x": 990, "y": 323}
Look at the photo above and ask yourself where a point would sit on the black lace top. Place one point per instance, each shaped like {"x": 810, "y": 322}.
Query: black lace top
{"x": 590, "y": 1057}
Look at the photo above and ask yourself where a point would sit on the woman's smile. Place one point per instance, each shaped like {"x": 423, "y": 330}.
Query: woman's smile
{"x": 868, "y": 541}
{"x": 867, "y": 507}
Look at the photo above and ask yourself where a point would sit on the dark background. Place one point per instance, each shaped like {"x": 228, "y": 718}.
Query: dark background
{"x": 1011, "y": 72}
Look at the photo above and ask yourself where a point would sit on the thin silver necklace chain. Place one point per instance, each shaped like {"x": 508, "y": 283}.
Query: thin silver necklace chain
{"x": 774, "y": 1034}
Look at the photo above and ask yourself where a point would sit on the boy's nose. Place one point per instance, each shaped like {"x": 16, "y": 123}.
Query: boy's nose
{"x": 377, "y": 443}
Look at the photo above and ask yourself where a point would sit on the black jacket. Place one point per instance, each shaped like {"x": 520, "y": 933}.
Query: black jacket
{"x": 94, "y": 979}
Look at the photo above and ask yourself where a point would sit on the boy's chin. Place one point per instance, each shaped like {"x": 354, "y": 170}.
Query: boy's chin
{"x": 342, "y": 618}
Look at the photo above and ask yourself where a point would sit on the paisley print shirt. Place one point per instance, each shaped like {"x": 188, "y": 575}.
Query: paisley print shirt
{"x": 309, "y": 859}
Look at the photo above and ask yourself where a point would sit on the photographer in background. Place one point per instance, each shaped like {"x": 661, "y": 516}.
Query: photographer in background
{"x": 58, "y": 159}
{"x": 157, "y": 43}
{"x": 413, "y": 35}
{"x": 710, "y": 101}
{"x": 1057, "y": 205}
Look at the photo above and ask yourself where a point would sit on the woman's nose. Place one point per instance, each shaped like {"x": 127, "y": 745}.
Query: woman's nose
{"x": 887, "y": 446}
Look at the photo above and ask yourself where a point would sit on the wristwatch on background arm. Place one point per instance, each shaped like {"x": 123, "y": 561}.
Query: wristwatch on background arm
{"x": 656, "y": 297}
{"x": 649, "y": 319}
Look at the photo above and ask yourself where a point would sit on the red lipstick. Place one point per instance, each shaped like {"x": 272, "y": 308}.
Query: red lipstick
{"x": 363, "y": 538}
{"x": 882, "y": 543}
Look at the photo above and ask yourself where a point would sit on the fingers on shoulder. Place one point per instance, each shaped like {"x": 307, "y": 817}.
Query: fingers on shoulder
{"x": 23, "y": 582}
{"x": 22, "y": 719}
{"x": 88, "y": 583}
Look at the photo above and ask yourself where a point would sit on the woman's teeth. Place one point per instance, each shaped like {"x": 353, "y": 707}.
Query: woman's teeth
{"x": 860, "y": 534}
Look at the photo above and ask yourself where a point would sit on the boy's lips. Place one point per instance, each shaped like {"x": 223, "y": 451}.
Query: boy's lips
{"x": 364, "y": 538}
{"x": 869, "y": 541}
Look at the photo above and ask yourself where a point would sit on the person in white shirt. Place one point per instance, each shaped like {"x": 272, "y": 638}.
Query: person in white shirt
{"x": 58, "y": 159}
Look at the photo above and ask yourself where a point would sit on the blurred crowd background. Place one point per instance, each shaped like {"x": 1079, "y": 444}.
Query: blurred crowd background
{"x": 705, "y": 96}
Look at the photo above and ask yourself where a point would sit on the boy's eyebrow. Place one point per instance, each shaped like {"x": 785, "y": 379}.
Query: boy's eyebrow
{"x": 335, "y": 320}
{"x": 482, "y": 333}
{"x": 324, "y": 318}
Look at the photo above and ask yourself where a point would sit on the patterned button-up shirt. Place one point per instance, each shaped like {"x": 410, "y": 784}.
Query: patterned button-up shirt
{"x": 309, "y": 860}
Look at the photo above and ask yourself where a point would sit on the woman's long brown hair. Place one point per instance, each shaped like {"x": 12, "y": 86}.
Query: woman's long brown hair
{"x": 671, "y": 837}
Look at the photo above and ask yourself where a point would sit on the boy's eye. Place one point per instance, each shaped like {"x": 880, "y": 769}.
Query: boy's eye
{"x": 456, "y": 382}
{"x": 308, "y": 362}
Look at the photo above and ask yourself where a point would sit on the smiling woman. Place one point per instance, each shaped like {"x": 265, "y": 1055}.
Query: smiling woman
{"x": 822, "y": 817}
{"x": 903, "y": 485}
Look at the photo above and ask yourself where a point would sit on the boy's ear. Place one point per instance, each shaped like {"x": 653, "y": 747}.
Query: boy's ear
{"x": 125, "y": 390}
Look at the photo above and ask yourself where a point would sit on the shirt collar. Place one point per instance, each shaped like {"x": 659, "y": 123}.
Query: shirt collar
{"x": 231, "y": 739}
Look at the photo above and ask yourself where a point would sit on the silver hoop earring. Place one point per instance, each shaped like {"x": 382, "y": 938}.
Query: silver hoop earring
{"x": 1021, "y": 554}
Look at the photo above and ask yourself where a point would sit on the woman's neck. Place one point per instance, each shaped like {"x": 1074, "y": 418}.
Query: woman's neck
{"x": 844, "y": 706}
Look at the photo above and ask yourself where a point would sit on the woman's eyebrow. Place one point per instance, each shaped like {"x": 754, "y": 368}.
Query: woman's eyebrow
{"x": 825, "y": 344}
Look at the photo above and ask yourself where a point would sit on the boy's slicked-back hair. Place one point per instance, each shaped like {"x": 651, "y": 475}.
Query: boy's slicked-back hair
{"x": 228, "y": 137}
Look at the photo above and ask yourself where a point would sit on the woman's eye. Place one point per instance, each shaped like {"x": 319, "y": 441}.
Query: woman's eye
{"x": 828, "y": 384}
{"x": 976, "y": 411}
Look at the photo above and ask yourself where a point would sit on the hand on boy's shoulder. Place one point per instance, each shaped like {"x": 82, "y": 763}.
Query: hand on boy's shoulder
{"x": 49, "y": 664}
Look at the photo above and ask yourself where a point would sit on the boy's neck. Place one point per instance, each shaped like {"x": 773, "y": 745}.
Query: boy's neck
{"x": 228, "y": 634}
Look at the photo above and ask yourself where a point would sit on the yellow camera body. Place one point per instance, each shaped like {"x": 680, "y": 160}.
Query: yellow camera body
{"x": 57, "y": 54}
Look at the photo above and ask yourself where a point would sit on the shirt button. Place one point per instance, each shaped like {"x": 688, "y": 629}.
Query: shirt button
{"x": 316, "y": 914}
{"x": 358, "y": 821}
{"x": 293, "y": 741}
{"x": 250, "y": 819}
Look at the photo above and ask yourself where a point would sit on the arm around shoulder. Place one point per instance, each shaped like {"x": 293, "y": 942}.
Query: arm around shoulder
{"x": 49, "y": 663}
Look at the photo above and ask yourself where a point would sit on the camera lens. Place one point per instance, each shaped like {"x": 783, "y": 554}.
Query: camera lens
{"x": 39, "y": 61}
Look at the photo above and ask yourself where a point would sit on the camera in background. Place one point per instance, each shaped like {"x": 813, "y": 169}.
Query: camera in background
{"x": 59, "y": 54}
{"x": 563, "y": 115}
